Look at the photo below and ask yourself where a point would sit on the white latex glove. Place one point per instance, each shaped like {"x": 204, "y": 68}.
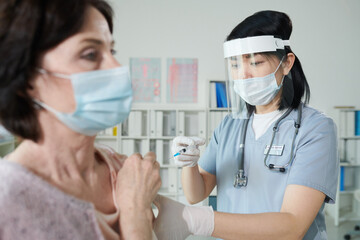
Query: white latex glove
{"x": 177, "y": 221}
{"x": 192, "y": 154}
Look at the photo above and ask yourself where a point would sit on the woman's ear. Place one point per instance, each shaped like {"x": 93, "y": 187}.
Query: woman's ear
{"x": 288, "y": 63}
{"x": 36, "y": 81}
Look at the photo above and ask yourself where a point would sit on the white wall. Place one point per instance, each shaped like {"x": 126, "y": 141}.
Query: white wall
{"x": 326, "y": 38}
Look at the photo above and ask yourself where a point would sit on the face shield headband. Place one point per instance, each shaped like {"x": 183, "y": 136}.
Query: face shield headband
{"x": 251, "y": 45}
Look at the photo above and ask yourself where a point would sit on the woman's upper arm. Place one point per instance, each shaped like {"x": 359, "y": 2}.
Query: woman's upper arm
{"x": 113, "y": 158}
{"x": 314, "y": 172}
{"x": 316, "y": 162}
{"x": 303, "y": 203}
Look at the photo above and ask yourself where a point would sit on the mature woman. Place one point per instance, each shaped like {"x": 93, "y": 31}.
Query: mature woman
{"x": 59, "y": 85}
{"x": 273, "y": 159}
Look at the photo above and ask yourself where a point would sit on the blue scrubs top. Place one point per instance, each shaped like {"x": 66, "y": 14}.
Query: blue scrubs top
{"x": 315, "y": 164}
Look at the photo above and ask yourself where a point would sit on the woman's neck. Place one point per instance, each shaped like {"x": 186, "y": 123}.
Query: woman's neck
{"x": 60, "y": 157}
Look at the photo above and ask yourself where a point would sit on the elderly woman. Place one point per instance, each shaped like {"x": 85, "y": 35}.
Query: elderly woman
{"x": 59, "y": 85}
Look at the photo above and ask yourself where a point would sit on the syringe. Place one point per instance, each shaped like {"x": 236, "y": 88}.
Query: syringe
{"x": 180, "y": 152}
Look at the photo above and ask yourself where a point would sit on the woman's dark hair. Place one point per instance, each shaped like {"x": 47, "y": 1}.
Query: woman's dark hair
{"x": 279, "y": 25}
{"x": 29, "y": 28}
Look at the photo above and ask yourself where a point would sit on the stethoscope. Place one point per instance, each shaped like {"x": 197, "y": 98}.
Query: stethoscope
{"x": 240, "y": 177}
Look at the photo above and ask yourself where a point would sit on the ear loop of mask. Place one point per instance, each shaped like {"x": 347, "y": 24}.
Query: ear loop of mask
{"x": 282, "y": 80}
{"x": 39, "y": 104}
{"x": 59, "y": 75}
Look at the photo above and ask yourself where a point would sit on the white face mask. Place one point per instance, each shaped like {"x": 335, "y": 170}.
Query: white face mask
{"x": 260, "y": 90}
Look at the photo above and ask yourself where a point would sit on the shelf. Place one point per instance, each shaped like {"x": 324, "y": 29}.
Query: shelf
{"x": 106, "y": 137}
{"x": 196, "y": 110}
{"x": 348, "y": 191}
{"x": 162, "y": 138}
{"x": 351, "y": 138}
{"x": 134, "y": 137}
{"x": 348, "y": 216}
{"x": 217, "y": 80}
{"x": 348, "y": 164}
{"x": 165, "y": 192}
{"x": 345, "y": 208}
{"x": 219, "y": 109}
{"x": 160, "y": 107}
{"x": 349, "y": 110}
{"x": 152, "y": 128}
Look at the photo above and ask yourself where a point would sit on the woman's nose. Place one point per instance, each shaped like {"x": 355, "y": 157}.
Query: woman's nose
{"x": 244, "y": 72}
{"x": 114, "y": 62}
{"x": 110, "y": 62}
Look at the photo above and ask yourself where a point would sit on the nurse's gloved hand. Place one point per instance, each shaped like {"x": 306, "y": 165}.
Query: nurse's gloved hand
{"x": 190, "y": 156}
{"x": 177, "y": 221}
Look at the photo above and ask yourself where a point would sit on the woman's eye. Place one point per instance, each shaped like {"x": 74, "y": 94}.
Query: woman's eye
{"x": 256, "y": 63}
{"x": 92, "y": 56}
{"x": 113, "y": 51}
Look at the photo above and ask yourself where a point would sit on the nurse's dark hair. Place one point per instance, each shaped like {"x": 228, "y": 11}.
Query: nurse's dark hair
{"x": 279, "y": 25}
{"x": 29, "y": 28}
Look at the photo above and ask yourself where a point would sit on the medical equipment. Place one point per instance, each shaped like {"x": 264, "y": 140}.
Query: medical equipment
{"x": 251, "y": 65}
{"x": 240, "y": 177}
{"x": 190, "y": 145}
{"x": 258, "y": 90}
{"x": 103, "y": 99}
{"x": 180, "y": 152}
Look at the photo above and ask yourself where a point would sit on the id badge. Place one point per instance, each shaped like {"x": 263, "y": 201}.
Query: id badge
{"x": 276, "y": 150}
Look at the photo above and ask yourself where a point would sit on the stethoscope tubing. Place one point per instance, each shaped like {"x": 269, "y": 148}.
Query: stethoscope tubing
{"x": 275, "y": 129}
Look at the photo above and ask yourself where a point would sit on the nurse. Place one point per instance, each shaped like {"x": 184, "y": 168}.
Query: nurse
{"x": 273, "y": 159}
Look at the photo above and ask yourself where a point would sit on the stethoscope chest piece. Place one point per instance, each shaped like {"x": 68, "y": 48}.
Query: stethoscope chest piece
{"x": 240, "y": 179}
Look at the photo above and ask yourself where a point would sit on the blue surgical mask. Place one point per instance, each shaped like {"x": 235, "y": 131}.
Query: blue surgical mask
{"x": 260, "y": 90}
{"x": 103, "y": 99}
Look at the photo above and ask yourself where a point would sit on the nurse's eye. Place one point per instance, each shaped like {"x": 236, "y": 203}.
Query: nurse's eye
{"x": 256, "y": 63}
{"x": 90, "y": 54}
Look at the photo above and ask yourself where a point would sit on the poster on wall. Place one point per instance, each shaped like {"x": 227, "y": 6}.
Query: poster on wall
{"x": 182, "y": 80}
{"x": 146, "y": 77}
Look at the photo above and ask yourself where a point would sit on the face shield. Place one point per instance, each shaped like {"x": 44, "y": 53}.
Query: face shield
{"x": 254, "y": 77}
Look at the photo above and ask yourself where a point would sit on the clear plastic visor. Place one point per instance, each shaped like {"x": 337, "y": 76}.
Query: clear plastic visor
{"x": 252, "y": 65}
{"x": 252, "y": 76}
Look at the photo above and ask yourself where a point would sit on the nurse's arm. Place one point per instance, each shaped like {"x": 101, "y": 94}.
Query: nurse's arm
{"x": 197, "y": 183}
{"x": 299, "y": 209}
